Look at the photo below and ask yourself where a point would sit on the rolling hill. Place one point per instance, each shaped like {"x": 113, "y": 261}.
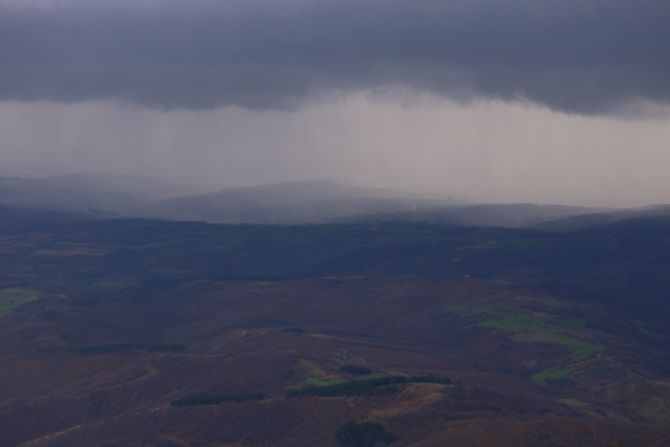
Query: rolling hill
{"x": 148, "y": 332}
{"x": 296, "y": 203}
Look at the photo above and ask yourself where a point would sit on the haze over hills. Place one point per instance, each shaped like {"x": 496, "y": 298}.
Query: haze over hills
{"x": 140, "y": 186}
{"x": 284, "y": 203}
{"x": 104, "y": 194}
{"x": 515, "y": 215}
{"x": 291, "y": 203}
{"x": 582, "y": 221}
{"x": 55, "y": 194}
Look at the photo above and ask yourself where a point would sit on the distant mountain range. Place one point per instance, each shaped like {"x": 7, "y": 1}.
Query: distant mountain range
{"x": 290, "y": 203}
{"x": 612, "y": 217}
{"x": 102, "y": 194}
{"x": 106, "y": 195}
{"x": 514, "y": 215}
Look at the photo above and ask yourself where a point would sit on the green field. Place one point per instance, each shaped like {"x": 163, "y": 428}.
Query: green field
{"x": 528, "y": 326}
{"x": 506, "y": 318}
{"x": 579, "y": 349}
{"x": 556, "y": 373}
{"x": 323, "y": 381}
{"x": 515, "y": 321}
{"x": 12, "y": 298}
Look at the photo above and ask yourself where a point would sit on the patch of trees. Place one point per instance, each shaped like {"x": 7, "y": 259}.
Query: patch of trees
{"x": 365, "y": 387}
{"x": 365, "y": 434}
{"x": 215, "y": 399}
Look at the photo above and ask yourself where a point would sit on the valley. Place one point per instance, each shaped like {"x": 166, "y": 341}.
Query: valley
{"x": 145, "y": 332}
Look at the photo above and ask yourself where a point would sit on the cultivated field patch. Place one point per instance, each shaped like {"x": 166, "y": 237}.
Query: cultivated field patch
{"x": 526, "y": 325}
{"x": 13, "y": 298}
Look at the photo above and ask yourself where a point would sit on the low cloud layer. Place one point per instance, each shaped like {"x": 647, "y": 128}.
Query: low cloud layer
{"x": 485, "y": 151}
{"x": 582, "y": 56}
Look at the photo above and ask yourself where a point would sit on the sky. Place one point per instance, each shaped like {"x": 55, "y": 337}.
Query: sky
{"x": 490, "y": 100}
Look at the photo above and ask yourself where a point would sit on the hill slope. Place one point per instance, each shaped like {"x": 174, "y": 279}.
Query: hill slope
{"x": 140, "y": 332}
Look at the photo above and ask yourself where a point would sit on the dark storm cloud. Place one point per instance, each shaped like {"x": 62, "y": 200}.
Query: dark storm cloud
{"x": 584, "y": 56}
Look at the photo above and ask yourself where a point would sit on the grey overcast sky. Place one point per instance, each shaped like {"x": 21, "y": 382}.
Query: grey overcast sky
{"x": 503, "y": 100}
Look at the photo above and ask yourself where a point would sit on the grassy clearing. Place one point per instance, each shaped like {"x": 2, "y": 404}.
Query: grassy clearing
{"x": 568, "y": 325}
{"x": 13, "y": 298}
{"x": 556, "y": 373}
{"x": 505, "y": 318}
{"x": 317, "y": 376}
{"x": 368, "y": 386}
{"x": 323, "y": 381}
{"x": 502, "y": 316}
{"x": 514, "y": 321}
{"x": 579, "y": 349}
{"x": 552, "y": 301}
{"x": 534, "y": 327}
